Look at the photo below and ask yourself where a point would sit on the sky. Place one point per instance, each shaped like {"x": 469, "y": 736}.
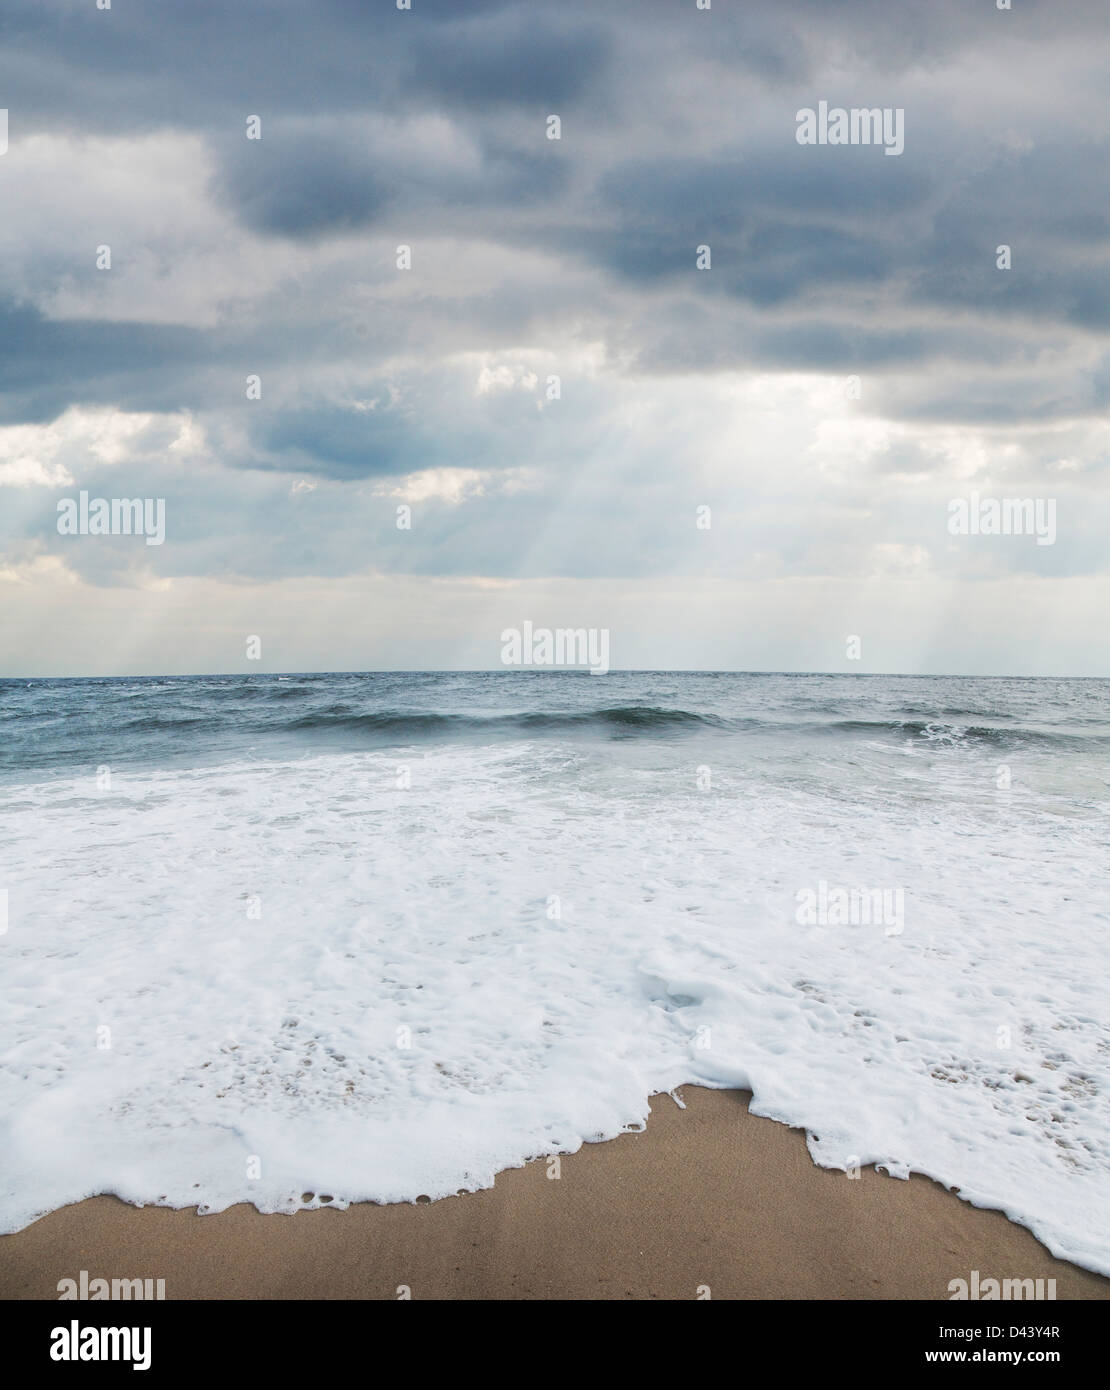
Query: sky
{"x": 749, "y": 463}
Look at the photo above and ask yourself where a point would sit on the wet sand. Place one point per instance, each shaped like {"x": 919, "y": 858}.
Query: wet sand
{"x": 710, "y": 1198}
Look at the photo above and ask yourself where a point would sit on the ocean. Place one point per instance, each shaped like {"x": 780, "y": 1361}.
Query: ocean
{"x": 314, "y": 939}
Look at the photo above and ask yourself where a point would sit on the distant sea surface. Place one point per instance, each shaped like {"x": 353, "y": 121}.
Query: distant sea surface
{"x": 377, "y": 936}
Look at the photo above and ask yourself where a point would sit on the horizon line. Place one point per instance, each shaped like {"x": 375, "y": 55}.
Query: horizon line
{"x": 557, "y": 671}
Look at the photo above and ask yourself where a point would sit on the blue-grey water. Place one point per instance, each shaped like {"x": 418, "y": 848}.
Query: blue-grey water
{"x": 50, "y": 725}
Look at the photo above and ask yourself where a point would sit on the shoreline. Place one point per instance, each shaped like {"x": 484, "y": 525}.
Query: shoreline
{"x": 707, "y": 1198}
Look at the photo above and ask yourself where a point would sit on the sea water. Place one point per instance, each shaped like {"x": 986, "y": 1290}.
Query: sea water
{"x": 288, "y": 939}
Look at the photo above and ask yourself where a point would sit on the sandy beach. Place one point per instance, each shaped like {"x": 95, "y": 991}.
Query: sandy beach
{"x": 710, "y": 1197}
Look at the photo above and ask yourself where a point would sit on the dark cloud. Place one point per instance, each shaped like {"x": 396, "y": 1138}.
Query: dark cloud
{"x": 47, "y": 365}
{"x": 301, "y": 185}
{"x": 520, "y": 57}
{"x": 347, "y": 443}
{"x": 427, "y": 127}
{"x": 340, "y": 178}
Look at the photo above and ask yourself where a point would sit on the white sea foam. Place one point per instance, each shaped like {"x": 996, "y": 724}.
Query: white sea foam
{"x": 677, "y": 957}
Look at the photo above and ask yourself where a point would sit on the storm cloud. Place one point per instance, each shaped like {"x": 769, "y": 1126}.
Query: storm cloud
{"x": 407, "y": 293}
